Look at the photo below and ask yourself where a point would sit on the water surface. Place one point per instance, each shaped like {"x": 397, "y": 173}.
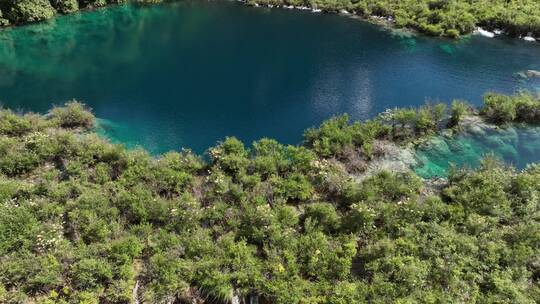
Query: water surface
{"x": 190, "y": 73}
{"x": 516, "y": 146}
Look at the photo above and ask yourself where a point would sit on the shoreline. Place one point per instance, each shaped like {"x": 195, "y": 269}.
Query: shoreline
{"x": 387, "y": 22}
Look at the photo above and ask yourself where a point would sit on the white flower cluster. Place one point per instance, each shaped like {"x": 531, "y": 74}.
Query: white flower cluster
{"x": 36, "y": 138}
{"x": 49, "y": 236}
{"x": 215, "y": 153}
{"x": 321, "y": 164}
{"x": 11, "y": 203}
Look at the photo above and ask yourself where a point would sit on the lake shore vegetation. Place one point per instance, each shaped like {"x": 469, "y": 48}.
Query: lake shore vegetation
{"x": 86, "y": 221}
{"x": 520, "y": 18}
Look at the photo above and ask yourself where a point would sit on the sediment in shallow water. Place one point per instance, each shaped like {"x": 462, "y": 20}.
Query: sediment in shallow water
{"x": 515, "y": 145}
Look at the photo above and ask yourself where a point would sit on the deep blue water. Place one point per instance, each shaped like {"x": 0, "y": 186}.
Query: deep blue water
{"x": 189, "y": 74}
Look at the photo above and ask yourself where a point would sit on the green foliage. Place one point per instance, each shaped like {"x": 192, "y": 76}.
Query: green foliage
{"x": 20, "y": 11}
{"x": 499, "y": 109}
{"x": 73, "y": 115}
{"x": 90, "y": 273}
{"x": 438, "y": 18}
{"x": 18, "y": 227}
{"x": 459, "y": 109}
{"x": 503, "y": 109}
{"x": 484, "y": 191}
{"x": 323, "y": 216}
{"x": 85, "y": 221}
{"x": 410, "y": 123}
{"x": 65, "y": 6}
{"x": 337, "y": 135}
{"x": 332, "y": 137}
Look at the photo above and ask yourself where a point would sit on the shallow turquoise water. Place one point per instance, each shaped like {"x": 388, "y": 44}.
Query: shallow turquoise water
{"x": 189, "y": 74}
{"x": 514, "y": 145}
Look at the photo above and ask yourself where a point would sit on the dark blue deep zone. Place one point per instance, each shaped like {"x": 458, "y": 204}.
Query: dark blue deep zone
{"x": 191, "y": 73}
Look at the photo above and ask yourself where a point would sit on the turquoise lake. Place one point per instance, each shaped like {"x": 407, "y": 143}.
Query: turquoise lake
{"x": 514, "y": 145}
{"x": 190, "y": 73}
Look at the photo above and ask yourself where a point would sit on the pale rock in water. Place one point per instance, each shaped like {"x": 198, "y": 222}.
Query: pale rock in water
{"x": 533, "y": 73}
{"x": 529, "y": 38}
{"x": 528, "y": 74}
{"x": 395, "y": 159}
{"x": 482, "y": 32}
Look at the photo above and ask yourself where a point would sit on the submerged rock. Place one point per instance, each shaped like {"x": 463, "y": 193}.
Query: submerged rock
{"x": 527, "y": 74}
{"x": 394, "y": 159}
{"x": 514, "y": 145}
{"x": 532, "y": 73}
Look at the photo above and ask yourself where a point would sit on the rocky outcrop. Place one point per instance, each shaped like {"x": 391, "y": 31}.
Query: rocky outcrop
{"x": 392, "y": 158}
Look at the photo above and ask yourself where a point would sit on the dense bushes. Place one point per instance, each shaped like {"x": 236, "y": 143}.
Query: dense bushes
{"x": 458, "y": 111}
{"x": 522, "y": 107}
{"x": 72, "y": 115}
{"x": 24, "y": 11}
{"x": 84, "y": 221}
{"x": 338, "y": 136}
{"x": 21, "y": 11}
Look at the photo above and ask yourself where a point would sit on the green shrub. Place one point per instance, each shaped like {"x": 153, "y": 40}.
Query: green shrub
{"x": 332, "y": 137}
{"x": 458, "y": 110}
{"x": 452, "y": 33}
{"x": 65, "y": 6}
{"x": 14, "y": 125}
{"x": 499, "y": 109}
{"x": 84, "y": 221}
{"x": 72, "y": 115}
{"x": 18, "y": 227}
{"x": 3, "y": 22}
{"x": 21, "y": 11}
{"x": 230, "y": 156}
{"x": 323, "y": 216}
{"x": 431, "y": 29}
{"x": 90, "y": 273}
